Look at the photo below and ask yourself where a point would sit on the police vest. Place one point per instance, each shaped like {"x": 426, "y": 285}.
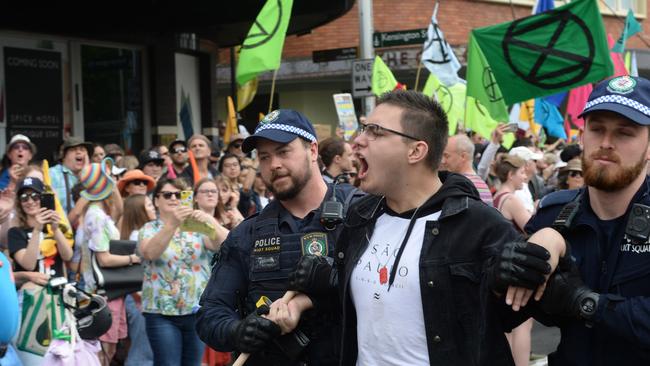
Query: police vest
{"x": 274, "y": 254}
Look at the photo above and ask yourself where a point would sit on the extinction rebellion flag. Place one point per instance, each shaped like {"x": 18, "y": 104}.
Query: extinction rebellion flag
{"x": 262, "y": 48}
{"x": 547, "y": 53}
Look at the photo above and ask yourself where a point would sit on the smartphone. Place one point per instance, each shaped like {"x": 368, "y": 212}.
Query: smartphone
{"x": 47, "y": 200}
{"x": 512, "y": 127}
{"x": 187, "y": 198}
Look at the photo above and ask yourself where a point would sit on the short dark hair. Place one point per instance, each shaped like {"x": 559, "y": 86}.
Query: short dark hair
{"x": 329, "y": 148}
{"x": 422, "y": 117}
{"x": 225, "y": 156}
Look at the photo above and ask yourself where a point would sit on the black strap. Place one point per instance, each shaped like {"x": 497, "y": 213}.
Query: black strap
{"x": 67, "y": 190}
{"x": 564, "y": 219}
{"x": 393, "y": 271}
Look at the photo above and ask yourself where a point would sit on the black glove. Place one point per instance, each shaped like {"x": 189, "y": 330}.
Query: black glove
{"x": 520, "y": 264}
{"x": 567, "y": 295}
{"x": 314, "y": 275}
{"x": 254, "y": 332}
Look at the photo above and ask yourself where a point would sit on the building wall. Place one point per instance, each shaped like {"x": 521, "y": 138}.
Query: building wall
{"x": 455, "y": 17}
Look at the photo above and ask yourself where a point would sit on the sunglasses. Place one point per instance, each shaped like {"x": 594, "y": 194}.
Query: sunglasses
{"x": 20, "y": 146}
{"x": 27, "y": 196}
{"x": 237, "y": 145}
{"x": 168, "y": 195}
{"x": 138, "y": 182}
{"x": 575, "y": 173}
{"x": 179, "y": 150}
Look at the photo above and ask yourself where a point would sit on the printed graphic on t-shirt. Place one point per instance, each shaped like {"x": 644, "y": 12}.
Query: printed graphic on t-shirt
{"x": 391, "y": 319}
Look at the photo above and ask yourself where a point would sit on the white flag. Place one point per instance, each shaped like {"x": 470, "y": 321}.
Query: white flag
{"x": 437, "y": 55}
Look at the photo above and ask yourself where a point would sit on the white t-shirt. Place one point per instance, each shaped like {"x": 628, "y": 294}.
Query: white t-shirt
{"x": 390, "y": 324}
{"x": 526, "y": 197}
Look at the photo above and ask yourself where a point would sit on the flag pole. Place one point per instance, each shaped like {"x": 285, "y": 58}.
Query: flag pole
{"x": 275, "y": 73}
{"x": 417, "y": 76}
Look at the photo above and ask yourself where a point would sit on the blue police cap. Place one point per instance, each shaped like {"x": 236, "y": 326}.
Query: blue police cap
{"x": 283, "y": 126}
{"x": 625, "y": 95}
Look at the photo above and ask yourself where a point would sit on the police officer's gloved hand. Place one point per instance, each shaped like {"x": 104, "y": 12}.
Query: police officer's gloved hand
{"x": 314, "y": 275}
{"x": 254, "y": 332}
{"x": 520, "y": 264}
{"x": 567, "y": 295}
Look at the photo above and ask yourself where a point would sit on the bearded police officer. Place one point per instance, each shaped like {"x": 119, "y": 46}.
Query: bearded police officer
{"x": 606, "y": 292}
{"x": 259, "y": 254}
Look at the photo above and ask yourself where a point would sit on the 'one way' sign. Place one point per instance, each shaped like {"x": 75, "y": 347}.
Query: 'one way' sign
{"x": 361, "y": 78}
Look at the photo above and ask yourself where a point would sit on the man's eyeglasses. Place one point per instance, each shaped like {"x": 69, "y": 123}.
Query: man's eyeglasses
{"x": 179, "y": 150}
{"x": 373, "y": 131}
{"x": 575, "y": 173}
{"x": 27, "y": 196}
{"x": 168, "y": 195}
{"x": 138, "y": 182}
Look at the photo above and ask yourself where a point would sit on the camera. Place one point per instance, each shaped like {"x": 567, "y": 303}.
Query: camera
{"x": 638, "y": 224}
{"x": 331, "y": 214}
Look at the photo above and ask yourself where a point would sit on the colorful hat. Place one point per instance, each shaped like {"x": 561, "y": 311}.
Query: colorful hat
{"x": 97, "y": 180}
{"x": 135, "y": 174}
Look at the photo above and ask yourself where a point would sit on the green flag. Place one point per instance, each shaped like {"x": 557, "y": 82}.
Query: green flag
{"x": 479, "y": 120}
{"x": 382, "y": 78}
{"x": 547, "y": 53}
{"x": 631, "y": 28}
{"x": 262, "y": 48}
{"x": 451, "y": 100}
{"x": 481, "y": 83}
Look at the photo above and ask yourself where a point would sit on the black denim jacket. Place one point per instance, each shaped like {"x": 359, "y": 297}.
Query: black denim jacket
{"x": 464, "y": 321}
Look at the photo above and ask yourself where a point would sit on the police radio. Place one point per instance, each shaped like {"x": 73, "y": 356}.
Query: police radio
{"x": 332, "y": 211}
{"x": 638, "y": 224}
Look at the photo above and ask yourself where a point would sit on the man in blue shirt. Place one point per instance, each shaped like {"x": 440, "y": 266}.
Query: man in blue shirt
{"x": 76, "y": 154}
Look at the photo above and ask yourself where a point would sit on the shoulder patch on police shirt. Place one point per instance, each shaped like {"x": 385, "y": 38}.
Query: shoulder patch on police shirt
{"x": 558, "y": 198}
{"x": 314, "y": 243}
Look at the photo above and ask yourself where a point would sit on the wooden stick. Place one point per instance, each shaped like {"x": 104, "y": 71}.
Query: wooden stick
{"x": 244, "y": 356}
{"x": 417, "y": 76}
{"x": 275, "y": 73}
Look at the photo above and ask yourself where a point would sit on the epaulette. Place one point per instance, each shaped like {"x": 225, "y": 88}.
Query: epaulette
{"x": 558, "y": 198}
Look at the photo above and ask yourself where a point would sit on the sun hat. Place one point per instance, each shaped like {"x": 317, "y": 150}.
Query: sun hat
{"x": 135, "y": 174}
{"x": 21, "y": 138}
{"x": 96, "y": 180}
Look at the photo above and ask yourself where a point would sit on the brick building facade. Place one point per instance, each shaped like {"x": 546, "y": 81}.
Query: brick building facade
{"x": 308, "y": 86}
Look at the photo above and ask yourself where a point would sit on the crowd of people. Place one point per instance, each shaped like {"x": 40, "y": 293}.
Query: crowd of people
{"x": 400, "y": 246}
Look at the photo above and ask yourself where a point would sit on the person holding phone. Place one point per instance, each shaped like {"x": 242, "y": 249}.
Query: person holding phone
{"x": 176, "y": 270}
{"x": 25, "y": 238}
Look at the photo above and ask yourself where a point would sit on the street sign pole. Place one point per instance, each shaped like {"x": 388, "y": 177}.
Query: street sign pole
{"x": 367, "y": 50}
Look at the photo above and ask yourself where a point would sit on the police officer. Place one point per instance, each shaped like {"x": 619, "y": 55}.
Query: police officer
{"x": 605, "y": 291}
{"x": 258, "y": 255}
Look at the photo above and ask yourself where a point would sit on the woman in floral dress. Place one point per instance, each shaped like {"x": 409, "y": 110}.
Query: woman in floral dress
{"x": 176, "y": 270}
